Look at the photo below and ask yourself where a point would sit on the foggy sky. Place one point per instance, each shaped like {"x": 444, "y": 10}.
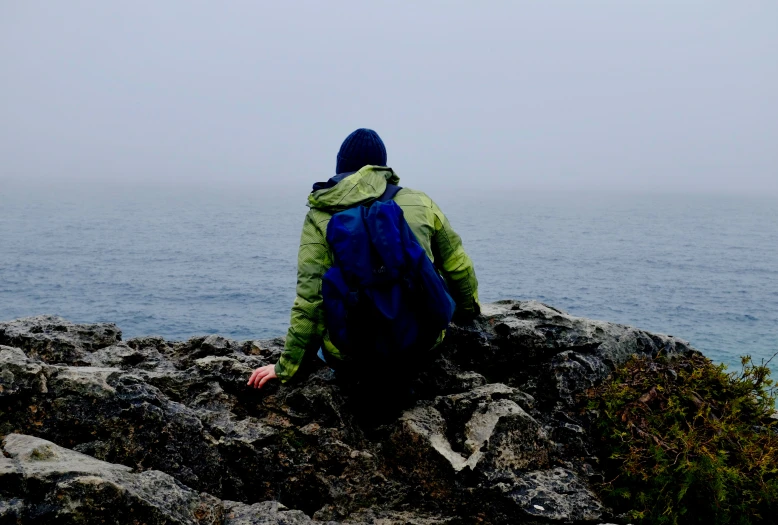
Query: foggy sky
{"x": 647, "y": 96}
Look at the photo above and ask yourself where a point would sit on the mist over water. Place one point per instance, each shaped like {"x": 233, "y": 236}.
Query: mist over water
{"x": 611, "y": 95}
{"x": 183, "y": 262}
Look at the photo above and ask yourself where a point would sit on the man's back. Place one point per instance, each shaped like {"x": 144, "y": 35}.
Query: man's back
{"x": 427, "y": 221}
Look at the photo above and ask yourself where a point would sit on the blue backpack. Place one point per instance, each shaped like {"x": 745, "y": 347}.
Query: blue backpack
{"x": 383, "y": 298}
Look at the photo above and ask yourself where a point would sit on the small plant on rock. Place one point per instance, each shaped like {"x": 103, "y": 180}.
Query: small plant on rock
{"x": 683, "y": 442}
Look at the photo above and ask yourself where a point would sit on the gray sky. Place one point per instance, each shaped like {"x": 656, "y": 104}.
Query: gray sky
{"x": 657, "y": 96}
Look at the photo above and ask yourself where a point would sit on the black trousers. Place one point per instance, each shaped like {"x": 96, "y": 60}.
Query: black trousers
{"x": 376, "y": 390}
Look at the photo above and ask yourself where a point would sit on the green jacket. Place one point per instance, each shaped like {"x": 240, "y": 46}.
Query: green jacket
{"x": 432, "y": 230}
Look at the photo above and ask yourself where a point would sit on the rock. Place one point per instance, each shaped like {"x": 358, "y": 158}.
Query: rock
{"x": 49, "y": 483}
{"x": 11, "y": 510}
{"x": 554, "y": 495}
{"x": 265, "y": 513}
{"x": 514, "y": 342}
{"x": 19, "y": 374}
{"x": 54, "y": 340}
{"x": 171, "y": 429}
{"x": 423, "y": 455}
{"x": 122, "y": 355}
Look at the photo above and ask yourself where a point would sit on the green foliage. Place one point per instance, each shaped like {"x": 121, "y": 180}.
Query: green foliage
{"x": 682, "y": 441}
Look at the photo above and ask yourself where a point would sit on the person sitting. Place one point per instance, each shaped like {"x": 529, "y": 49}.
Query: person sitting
{"x": 363, "y": 178}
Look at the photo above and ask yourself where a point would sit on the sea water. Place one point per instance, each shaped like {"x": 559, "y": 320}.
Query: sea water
{"x": 182, "y": 262}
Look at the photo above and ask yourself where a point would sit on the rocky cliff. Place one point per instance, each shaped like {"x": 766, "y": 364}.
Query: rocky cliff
{"x": 95, "y": 429}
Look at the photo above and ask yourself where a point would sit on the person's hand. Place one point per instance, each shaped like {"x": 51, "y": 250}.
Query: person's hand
{"x": 262, "y": 375}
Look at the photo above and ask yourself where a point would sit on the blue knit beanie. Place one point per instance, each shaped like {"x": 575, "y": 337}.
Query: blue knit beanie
{"x": 363, "y": 147}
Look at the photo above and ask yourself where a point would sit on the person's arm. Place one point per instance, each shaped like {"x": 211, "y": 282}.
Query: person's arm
{"x": 455, "y": 266}
{"x": 307, "y": 319}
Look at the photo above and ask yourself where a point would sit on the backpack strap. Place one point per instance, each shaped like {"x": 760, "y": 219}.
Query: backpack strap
{"x": 389, "y": 193}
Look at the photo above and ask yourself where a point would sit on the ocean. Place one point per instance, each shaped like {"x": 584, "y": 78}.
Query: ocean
{"x": 179, "y": 263}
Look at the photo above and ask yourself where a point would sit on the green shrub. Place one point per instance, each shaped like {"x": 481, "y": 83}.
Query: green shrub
{"x": 682, "y": 441}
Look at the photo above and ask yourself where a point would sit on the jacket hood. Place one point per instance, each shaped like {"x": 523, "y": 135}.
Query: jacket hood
{"x": 360, "y": 187}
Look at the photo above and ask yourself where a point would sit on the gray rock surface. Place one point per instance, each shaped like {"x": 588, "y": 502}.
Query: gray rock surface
{"x": 154, "y": 431}
{"x": 47, "y": 483}
{"x": 53, "y": 339}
